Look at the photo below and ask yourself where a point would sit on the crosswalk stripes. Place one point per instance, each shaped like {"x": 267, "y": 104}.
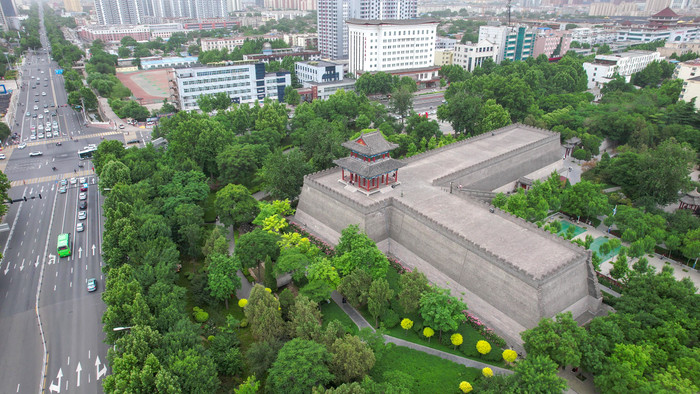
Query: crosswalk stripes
{"x": 53, "y": 177}
{"x": 78, "y": 137}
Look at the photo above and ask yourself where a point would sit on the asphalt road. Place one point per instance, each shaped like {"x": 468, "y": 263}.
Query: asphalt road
{"x": 65, "y": 352}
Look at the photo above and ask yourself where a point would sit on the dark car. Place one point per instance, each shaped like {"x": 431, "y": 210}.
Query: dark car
{"x": 133, "y": 141}
{"x": 82, "y": 204}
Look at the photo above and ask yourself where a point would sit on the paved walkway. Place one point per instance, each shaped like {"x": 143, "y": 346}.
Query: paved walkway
{"x": 360, "y": 321}
{"x": 609, "y": 291}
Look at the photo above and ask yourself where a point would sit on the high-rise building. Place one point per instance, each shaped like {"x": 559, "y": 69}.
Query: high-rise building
{"x": 234, "y": 5}
{"x": 194, "y": 9}
{"x": 332, "y": 15}
{"x": 390, "y": 45}
{"x": 72, "y": 5}
{"x": 8, "y": 8}
{"x": 119, "y": 12}
{"x": 301, "y": 5}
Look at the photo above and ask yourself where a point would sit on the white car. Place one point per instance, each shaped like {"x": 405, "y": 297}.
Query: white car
{"x": 41, "y": 116}
{"x": 56, "y": 133}
{"x": 2, "y": 156}
{"x": 43, "y": 93}
{"x": 41, "y": 135}
{"x": 73, "y": 181}
{"x": 21, "y": 146}
{"x": 80, "y": 227}
{"x": 32, "y": 137}
{"x": 83, "y": 179}
{"x": 82, "y": 215}
{"x": 35, "y": 153}
{"x": 82, "y": 196}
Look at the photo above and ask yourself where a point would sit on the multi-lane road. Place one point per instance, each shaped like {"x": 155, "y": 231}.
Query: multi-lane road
{"x": 51, "y": 337}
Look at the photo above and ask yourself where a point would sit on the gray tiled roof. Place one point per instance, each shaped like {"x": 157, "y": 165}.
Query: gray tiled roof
{"x": 368, "y": 170}
{"x": 374, "y": 144}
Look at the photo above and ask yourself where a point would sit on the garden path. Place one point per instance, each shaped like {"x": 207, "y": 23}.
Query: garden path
{"x": 362, "y": 323}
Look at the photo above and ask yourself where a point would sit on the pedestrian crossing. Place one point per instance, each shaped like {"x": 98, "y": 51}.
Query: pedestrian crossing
{"x": 52, "y": 178}
{"x": 77, "y": 137}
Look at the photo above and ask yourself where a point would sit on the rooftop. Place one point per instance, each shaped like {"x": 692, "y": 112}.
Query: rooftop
{"x": 519, "y": 243}
{"x": 405, "y": 22}
{"x": 370, "y": 144}
{"x": 319, "y": 63}
{"x": 666, "y": 12}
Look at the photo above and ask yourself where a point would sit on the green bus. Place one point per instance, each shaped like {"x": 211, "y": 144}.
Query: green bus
{"x": 63, "y": 248}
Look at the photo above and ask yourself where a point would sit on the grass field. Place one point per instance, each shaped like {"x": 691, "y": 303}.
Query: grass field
{"x": 331, "y": 311}
{"x": 432, "y": 374}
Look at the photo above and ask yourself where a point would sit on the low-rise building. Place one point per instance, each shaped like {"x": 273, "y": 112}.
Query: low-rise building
{"x": 114, "y": 33}
{"x": 445, "y": 44}
{"x": 444, "y": 57}
{"x": 689, "y": 73}
{"x": 593, "y": 36}
{"x": 551, "y": 43}
{"x": 679, "y": 48}
{"x": 513, "y": 42}
{"x": 243, "y": 81}
{"x": 318, "y": 72}
{"x": 471, "y": 55}
{"x": 321, "y": 91}
{"x": 230, "y": 43}
{"x": 169, "y": 62}
{"x": 602, "y": 70}
{"x": 268, "y": 54}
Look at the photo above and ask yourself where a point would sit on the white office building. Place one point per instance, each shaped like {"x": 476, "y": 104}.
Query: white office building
{"x": 604, "y": 67}
{"x": 471, "y": 56}
{"x": 244, "y": 82}
{"x": 390, "y": 45}
{"x": 318, "y": 72}
{"x": 333, "y": 14}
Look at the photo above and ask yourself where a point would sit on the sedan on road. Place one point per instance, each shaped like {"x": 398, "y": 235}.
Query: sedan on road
{"x": 36, "y": 153}
{"x": 80, "y": 228}
{"x": 82, "y": 205}
{"x": 91, "y": 283}
{"x": 83, "y": 196}
{"x": 2, "y": 156}
{"x": 62, "y": 189}
{"x": 82, "y": 215}
{"x": 21, "y": 146}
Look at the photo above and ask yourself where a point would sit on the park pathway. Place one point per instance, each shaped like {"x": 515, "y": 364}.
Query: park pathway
{"x": 360, "y": 321}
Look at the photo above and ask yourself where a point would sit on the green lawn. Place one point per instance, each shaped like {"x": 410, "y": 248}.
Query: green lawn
{"x": 432, "y": 374}
{"x": 469, "y": 335}
{"x": 331, "y": 311}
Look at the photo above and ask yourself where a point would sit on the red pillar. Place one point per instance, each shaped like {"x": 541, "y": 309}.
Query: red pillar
{"x": 342, "y": 173}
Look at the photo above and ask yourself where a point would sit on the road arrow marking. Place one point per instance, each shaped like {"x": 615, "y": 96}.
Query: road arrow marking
{"x": 21, "y": 268}
{"x": 77, "y": 370}
{"x": 56, "y": 388}
{"x": 93, "y": 249}
{"x": 100, "y": 373}
{"x": 8, "y": 267}
{"x": 80, "y": 252}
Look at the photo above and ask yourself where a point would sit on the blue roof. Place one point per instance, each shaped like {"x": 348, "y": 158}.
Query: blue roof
{"x": 171, "y": 59}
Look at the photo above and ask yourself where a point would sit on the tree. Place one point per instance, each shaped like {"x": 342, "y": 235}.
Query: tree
{"x": 487, "y": 372}
{"x": 510, "y": 355}
{"x": 113, "y": 173}
{"x": 584, "y": 199}
{"x": 261, "y": 355}
{"x": 412, "y": 284}
{"x": 406, "y": 324}
{"x": 291, "y": 96}
{"x": 283, "y": 174}
{"x": 4, "y": 188}
{"x": 483, "y": 347}
{"x": 255, "y": 247}
{"x": 442, "y": 311}
{"x": 223, "y": 280}
{"x": 456, "y": 339}
{"x": 250, "y": 386}
{"x": 196, "y": 373}
{"x": 558, "y": 339}
{"x": 355, "y": 287}
{"x": 300, "y": 365}
{"x": 493, "y": 116}
{"x": 538, "y": 374}
{"x": 305, "y": 319}
{"x": 351, "y": 359}
{"x": 401, "y": 102}
{"x": 226, "y": 354}
{"x": 463, "y": 111}
{"x": 378, "y": 298}
{"x": 465, "y": 387}
{"x": 428, "y": 332}
{"x": 263, "y": 315}
{"x": 664, "y": 171}
{"x": 235, "y": 206}
{"x": 237, "y": 163}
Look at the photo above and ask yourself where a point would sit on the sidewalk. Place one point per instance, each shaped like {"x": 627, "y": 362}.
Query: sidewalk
{"x": 362, "y": 323}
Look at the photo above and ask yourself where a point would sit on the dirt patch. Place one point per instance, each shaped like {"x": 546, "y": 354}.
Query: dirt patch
{"x": 151, "y": 86}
